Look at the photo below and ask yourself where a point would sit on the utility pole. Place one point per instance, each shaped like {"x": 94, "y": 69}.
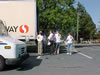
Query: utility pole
{"x": 77, "y": 25}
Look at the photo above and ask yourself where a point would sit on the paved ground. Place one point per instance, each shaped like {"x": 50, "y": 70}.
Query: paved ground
{"x": 85, "y": 62}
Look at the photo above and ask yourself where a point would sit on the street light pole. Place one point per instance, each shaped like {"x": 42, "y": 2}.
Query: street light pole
{"x": 77, "y": 25}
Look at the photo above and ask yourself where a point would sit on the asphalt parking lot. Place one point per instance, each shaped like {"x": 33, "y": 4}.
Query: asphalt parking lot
{"x": 85, "y": 62}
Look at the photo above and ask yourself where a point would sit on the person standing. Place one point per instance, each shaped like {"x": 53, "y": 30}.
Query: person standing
{"x": 57, "y": 40}
{"x": 44, "y": 42}
{"x": 40, "y": 49}
{"x": 69, "y": 43}
{"x": 51, "y": 41}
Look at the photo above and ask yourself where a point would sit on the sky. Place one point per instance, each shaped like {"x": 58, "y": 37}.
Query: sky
{"x": 93, "y": 8}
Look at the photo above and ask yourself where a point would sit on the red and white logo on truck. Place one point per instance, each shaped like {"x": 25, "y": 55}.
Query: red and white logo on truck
{"x": 24, "y": 28}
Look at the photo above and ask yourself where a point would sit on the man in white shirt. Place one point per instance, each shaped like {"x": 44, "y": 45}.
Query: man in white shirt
{"x": 57, "y": 40}
{"x": 51, "y": 40}
{"x": 50, "y": 35}
{"x": 40, "y": 49}
{"x": 69, "y": 43}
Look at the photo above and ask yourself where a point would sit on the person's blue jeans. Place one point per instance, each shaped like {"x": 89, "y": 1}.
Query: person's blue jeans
{"x": 69, "y": 48}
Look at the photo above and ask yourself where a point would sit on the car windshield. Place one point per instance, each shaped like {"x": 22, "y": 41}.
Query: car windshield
{"x": 3, "y": 28}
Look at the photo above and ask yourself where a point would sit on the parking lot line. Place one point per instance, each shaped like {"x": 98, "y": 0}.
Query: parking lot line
{"x": 85, "y": 55}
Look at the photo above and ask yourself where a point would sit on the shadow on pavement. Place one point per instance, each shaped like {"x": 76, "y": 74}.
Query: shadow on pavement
{"x": 28, "y": 64}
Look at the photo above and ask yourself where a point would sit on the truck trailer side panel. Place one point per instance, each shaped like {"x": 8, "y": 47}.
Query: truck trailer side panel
{"x": 20, "y": 18}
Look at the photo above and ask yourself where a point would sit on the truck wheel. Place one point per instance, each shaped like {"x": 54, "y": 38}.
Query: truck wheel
{"x": 2, "y": 63}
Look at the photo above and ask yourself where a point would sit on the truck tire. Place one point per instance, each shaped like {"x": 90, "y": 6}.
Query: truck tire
{"x": 2, "y": 63}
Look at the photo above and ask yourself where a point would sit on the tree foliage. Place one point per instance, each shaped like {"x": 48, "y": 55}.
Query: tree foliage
{"x": 62, "y": 15}
{"x": 86, "y": 26}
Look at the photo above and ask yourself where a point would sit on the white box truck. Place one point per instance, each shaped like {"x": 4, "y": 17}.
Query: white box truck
{"x": 20, "y": 18}
{"x": 12, "y": 51}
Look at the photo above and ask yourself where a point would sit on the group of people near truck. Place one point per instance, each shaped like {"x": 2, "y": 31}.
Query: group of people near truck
{"x": 54, "y": 40}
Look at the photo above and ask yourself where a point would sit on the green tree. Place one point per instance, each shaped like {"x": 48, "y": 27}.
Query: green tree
{"x": 62, "y": 15}
{"x": 87, "y": 28}
{"x": 57, "y": 15}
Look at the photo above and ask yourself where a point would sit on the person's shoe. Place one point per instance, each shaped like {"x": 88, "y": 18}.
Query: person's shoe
{"x": 38, "y": 57}
{"x": 68, "y": 53}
